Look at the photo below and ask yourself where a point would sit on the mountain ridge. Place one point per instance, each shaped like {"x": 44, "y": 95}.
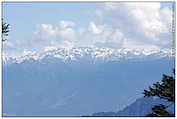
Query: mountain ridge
{"x": 92, "y": 54}
{"x": 140, "y": 107}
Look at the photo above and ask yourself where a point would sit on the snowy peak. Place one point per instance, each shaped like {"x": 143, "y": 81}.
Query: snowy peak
{"x": 95, "y": 54}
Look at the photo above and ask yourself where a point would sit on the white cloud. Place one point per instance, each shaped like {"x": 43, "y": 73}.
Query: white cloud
{"x": 62, "y": 31}
{"x": 108, "y": 37}
{"x": 144, "y": 23}
{"x": 8, "y": 44}
{"x": 133, "y": 25}
{"x": 64, "y": 24}
{"x": 9, "y": 48}
{"x": 44, "y": 31}
{"x": 94, "y": 28}
{"x": 47, "y": 35}
{"x": 66, "y": 34}
{"x": 121, "y": 25}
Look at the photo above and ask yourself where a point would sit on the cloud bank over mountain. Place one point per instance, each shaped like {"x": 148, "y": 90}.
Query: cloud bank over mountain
{"x": 121, "y": 25}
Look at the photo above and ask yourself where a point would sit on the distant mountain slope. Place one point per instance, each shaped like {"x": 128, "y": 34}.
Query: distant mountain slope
{"x": 140, "y": 107}
{"x": 45, "y": 85}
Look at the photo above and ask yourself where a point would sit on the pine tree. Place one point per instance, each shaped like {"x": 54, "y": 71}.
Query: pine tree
{"x": 5, "y": 30}
{"x": 164, "y": 90}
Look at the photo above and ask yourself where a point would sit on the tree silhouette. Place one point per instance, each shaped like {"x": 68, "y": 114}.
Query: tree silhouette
{"x": 5, "y": 30}
{"x": 164, "y": 90}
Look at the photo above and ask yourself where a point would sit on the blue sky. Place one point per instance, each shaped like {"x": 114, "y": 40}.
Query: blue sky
{"x": 27, "y": 15}
{"x": 36, "y": 26}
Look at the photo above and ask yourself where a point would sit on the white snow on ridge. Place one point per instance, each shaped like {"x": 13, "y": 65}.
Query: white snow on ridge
{"x": 106, "y": 54}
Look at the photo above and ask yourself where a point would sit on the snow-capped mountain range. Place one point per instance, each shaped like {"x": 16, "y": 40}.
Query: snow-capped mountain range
{"x": 94, "y": 54}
